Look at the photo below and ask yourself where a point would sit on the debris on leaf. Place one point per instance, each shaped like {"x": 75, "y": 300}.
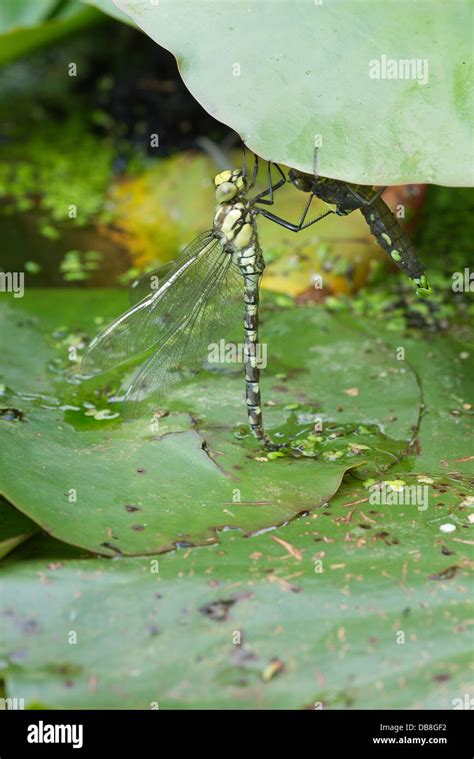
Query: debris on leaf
{"x": 274, "y": 668}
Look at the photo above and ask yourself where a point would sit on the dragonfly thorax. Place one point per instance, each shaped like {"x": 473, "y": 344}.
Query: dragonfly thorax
{"x": 235, "y": 225}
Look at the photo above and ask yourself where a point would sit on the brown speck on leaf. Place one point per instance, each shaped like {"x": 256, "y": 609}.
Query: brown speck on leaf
{"x": 284, "y": 584}
{"x": 92, "y": 684}
{"x": 218, "y": 610}
{"x": 138, "y": 527}
{"x": 446, "y": 552}
{"x": 129, "y": 507}
{"x": 288, "y": 547}
{"x": 461, "y": 461}
{"x": 352, "y": 391}
{"x": 355, "y": 503}
{"x": 346, "y": 519}
{"x": 367, "y": 519}
{"x": 445, "y": 574}
{"x": 442, "y": 677}
{"x": 274, "y": 668}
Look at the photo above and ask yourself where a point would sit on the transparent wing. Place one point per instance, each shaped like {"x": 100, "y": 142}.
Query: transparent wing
{"x": 214, "y": 315}
{"x": 149, "y": 282}
{"x": 149, "y": 321}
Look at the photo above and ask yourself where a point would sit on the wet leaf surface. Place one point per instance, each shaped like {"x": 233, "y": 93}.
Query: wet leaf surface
{"x": 86, "y": 469}
{"x": 365, "y": 612}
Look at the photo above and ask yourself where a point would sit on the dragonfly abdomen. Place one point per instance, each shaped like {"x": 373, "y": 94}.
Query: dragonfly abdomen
{"x": 252, "y": 370}
{"x": 391, "y": 237}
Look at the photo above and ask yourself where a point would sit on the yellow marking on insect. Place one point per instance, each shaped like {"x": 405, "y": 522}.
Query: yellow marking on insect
{"x": 225, "y": 192}
{"x": 396, "y": 255}
{"x": 387, "y": 238}
{"x": 224, "y": 176}
{"x": 232, "y": 217}
{"x": 244, "y": 236}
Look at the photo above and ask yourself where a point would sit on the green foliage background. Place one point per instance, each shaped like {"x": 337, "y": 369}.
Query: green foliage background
{"x": 196, "y": 570}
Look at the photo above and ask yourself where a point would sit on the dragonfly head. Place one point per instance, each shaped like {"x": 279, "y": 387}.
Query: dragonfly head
{"x": 229, "y": 184}
{"x": 301, "y": 181}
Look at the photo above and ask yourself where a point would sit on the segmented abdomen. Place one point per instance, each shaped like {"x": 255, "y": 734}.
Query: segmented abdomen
{"x": 391, "y": 237}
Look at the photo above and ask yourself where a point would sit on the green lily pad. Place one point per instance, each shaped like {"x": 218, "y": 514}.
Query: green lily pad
{"x": 26, "y": 26}
{"x": 109, "y": 7}
{"x": 352, "y": 606}
{"x": 138, "y": 489}
{"x": 384, "y": 93}
{"x": 445, "y": 365}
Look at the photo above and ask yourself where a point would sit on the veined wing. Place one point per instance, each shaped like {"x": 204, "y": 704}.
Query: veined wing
{"x": 150, "y": 321}
{"x": 214, "y": 315}
{"x": 149, "y": 282}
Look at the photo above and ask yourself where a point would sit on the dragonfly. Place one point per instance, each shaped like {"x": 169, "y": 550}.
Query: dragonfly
{"x": 346, "y": 198}
{"x": 211, "y": 287}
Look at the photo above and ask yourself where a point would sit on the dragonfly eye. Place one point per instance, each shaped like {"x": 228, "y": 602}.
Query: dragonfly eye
{"x": 225, "y": 192}
{"x": 299, "y": 180}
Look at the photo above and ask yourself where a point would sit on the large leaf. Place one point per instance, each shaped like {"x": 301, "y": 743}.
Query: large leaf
{"x": 445, "y": 364}
{"x": 286, "y": 74}
{"x": 26, "y": 25}
{"x": 108, "y": 7}
{"x": 129, "y": 489}
{"x": 353, "y": 606}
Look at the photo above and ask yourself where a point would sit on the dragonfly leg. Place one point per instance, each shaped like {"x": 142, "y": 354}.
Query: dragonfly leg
{"x": 255, "y": 172}
{"x": 244, "y": 167}
{"x": 271, "y": 187}
{"x": 363, "y": 200}
{"x": 244, "y": 161}
{"x": 290, "y": 225}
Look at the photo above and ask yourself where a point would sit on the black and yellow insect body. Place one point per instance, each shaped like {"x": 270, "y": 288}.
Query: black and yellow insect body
{"x": 200, "y": 299}
{"x": 384, "y": 226}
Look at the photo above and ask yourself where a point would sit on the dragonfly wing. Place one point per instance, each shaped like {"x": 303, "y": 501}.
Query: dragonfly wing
{"x": 149, "y": 282}
{"x": 149, "y": 321}
{"x": 214, "y": 315}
